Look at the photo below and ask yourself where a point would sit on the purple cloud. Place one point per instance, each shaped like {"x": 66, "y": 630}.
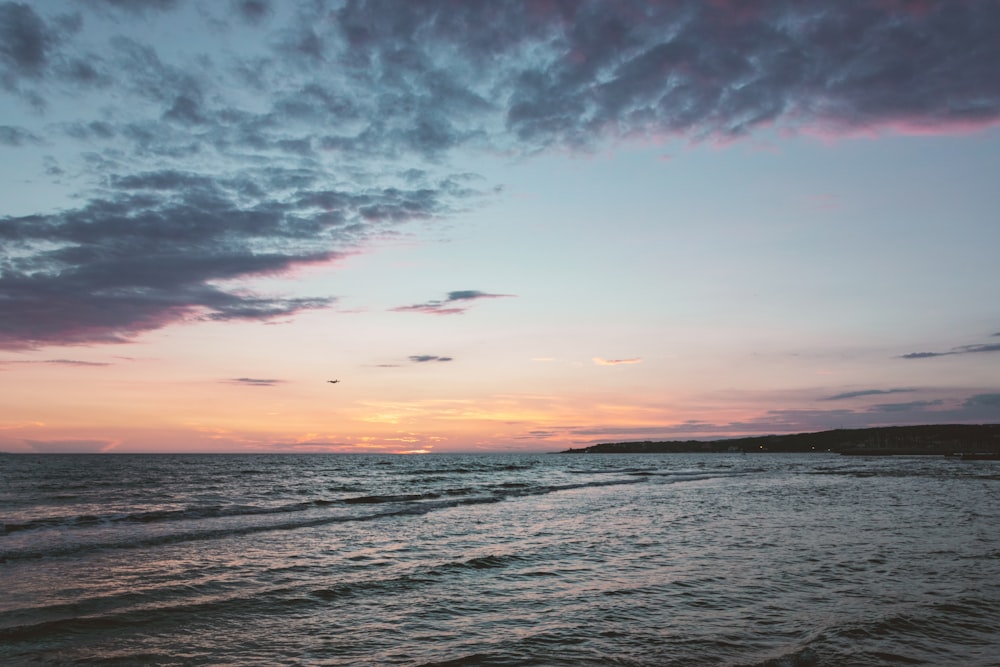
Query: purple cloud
{"x": 983, "y": 400}
{"x": 151, "y": 253}
{"x": 57, "y": 362}
{"x": 139, "y": 6}
{"x": 255, "y": 382}
{"x": 16, "y": 136}
{"x": 964, "y": 349}
{"x": 424, "y": 358}
{"x": 68, "y": 446}
{"x": 338, "y": 125}
{"x": 865, "y": 392}
{"x": 446, "y": 306}
{"x": 75, "y": 362}
{"x": 911, "y": 406}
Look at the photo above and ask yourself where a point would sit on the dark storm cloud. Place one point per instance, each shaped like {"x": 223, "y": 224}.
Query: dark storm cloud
{"x": 212, "y": 167}
{"x": 865, "y": 392}
{"x": 964, "y": 349}
{"x": 426, "y": 77}
{"x": 453, "y": 304}
{"x": 424, "y": 358}
{"x": 153, "y": 250}
{"x": 695, "y": 68}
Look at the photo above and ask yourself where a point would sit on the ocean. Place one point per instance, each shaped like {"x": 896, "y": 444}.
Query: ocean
{"x": 500, "y": 560}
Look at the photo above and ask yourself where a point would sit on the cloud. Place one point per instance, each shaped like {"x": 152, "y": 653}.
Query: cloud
{"x": 331, "y": 127}
{"x": 60, "y": 362}
{"x": 155, "y": 250}
{"x": 16, "y": 136}
{"x": 25, "y": 42}
{"x": 983, "y": 400}
{"x": 865, "y": 392}
{"x": 964, "y": 349}
{"x": 139, "y": 6}
{"x": 616, "y": 362}
{"x": 539, "y": 435}
{"x": 75, "y": 362}
{"x": 255, "y": 382}
{"x": 905, "y": 407}
{"x": 424, "y": 358}
{"x": 970, "y": 349}
{"x": 924, "y": 355}
{"x": 253, "y": 11}
{"x": 438, "y": 75}
{"x": 68, "y": 446}
{"x": 446, "y": 306}
{"x": 575, "y": 72}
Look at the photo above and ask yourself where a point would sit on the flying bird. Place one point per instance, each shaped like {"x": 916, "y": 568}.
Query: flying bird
{"x": 333, "y": 381}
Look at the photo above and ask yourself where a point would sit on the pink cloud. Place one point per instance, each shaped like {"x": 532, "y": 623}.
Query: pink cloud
{"x": 616, "y": 362}
{"x": 69, "y": 446}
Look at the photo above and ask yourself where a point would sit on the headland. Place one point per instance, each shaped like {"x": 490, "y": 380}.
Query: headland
{"x": 971, "y": 440}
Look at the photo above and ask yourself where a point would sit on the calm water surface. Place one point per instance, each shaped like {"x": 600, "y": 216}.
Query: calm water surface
{"x": 794, "y": 560}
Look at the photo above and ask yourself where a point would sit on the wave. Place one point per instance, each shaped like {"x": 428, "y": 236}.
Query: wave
{"x": 904, "y": 638}
{"x": 167, "y": 612}
{"x": 427, "y": 575}
{"x": 159, "y": 605}
{"x": 488, "y": 562}
{"x": 365, "y": 587}
{"x": 185, "y": 522}
{"x": 214, "y": 511}
{"x": 401, "y": 498}
{"x": 158, "y": 515}
{"x": 800, "y": 657}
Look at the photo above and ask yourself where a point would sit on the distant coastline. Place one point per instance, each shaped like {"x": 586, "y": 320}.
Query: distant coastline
{"x": 927, "y": 440}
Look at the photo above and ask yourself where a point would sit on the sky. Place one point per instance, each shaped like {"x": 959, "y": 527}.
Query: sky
{"x": 502, "y": 226}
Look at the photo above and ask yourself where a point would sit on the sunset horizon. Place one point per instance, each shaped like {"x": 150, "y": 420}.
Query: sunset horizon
{"x": 501, "y": 227}
{"x": 495, "y": 333}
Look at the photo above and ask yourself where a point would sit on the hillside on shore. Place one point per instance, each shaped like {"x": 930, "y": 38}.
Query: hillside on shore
{"x": 934, "y": 439}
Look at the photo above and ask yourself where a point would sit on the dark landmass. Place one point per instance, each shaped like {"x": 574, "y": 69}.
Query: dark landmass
{"x": 931, "y": 440}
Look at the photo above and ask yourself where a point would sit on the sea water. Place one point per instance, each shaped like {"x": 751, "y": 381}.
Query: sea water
{"x": 716, "y": 559}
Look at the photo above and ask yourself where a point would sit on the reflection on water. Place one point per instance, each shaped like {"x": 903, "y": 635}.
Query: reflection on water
{"x": 500, "y": 560}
